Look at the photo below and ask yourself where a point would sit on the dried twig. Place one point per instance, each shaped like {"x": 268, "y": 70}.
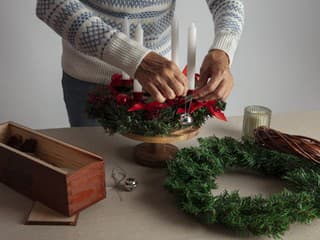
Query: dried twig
{"x": 299, "y": 145}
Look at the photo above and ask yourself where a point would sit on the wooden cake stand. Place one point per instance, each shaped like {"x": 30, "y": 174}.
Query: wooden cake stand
{"x": 155, "y": 151}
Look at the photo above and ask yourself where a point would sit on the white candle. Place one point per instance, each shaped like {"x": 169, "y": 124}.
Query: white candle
{"x": 139, "y": 34}
{"x": 175, "y": 40}
{"x": 136, "y": 86}
{"x": 126, "y": 31}
{"x": 192, "y": 42}
{"x": 139, "y": 38}
{"x": 125, "y": 27}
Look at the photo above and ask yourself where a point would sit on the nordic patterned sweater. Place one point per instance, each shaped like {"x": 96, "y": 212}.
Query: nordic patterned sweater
{"x": 94, "y": 47}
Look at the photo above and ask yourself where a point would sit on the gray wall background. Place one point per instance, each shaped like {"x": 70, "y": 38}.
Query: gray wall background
{"x": 277, "y": 63}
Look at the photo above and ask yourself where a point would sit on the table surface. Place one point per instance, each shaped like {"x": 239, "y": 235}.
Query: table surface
{"x": 150, "y": 211}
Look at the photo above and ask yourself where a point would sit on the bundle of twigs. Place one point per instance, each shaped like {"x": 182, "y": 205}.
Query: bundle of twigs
{"x": 299, "y": 145}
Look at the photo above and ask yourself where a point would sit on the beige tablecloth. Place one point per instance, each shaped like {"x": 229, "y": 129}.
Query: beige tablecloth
{"x": 149, "y": 212}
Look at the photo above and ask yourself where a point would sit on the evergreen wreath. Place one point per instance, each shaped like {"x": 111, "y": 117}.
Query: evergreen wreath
{"x": 192, "y": 175}
{"x": 120, "y": 110}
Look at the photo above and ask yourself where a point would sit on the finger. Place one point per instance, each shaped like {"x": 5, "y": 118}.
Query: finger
{"x": 176, "y": 80}
{"x": 204, "y": 76}
{"x": 165, "y": 89}
{"x": 183, "y": 80}
{"x": 176, "y": 86}
{"x": 226, "y": 95}
{"x": 170, "y": 68}
{"x": 229, "y": 85}
{"x": 154, "y": 92}
{"x": 209, "y": 88}
{"x": 219, "y": 93}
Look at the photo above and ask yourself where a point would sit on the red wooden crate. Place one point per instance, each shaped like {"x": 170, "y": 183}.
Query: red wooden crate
{"x": 59, "y": 175}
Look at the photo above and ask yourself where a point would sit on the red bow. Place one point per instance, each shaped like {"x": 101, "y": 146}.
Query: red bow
{"x": 185, "y": 72}
{"x": 210, "y": 105}
{"x": 138, "y": 96}
{"x": 148, "y": 106}
{"x": 122, "y": 99}
{"x": 117, "y": 81}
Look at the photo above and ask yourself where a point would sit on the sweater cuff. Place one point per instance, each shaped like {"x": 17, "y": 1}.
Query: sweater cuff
{"x": 124, "y": 53}
{"x": 226, "y": 42}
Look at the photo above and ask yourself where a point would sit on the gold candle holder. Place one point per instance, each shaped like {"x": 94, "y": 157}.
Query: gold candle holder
{"x": 255, "y": 116}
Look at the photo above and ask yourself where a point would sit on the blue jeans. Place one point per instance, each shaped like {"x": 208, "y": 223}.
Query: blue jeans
{"x": 75, "y": 94}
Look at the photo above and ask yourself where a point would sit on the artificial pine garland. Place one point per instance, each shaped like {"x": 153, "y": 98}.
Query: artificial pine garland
{"x": 119, "y": 110}
{"x": 193, "y": 173}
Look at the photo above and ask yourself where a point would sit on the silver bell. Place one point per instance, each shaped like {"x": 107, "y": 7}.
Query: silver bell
{"x": 130, "y": 184}
{"x": 185, "y": 119}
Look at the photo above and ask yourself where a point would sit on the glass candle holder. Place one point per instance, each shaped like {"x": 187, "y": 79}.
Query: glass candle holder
{"x": 255, "y": 116}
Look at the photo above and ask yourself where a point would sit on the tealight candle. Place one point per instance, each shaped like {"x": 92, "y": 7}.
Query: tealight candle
{"x": 255, "y": 116}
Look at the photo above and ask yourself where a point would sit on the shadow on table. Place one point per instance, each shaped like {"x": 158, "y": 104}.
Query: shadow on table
{"x": 14, "y": 205}
{"x": 125, "y": 154}
{"x": 226, "y": 130}
{"x": 162, "y": 205}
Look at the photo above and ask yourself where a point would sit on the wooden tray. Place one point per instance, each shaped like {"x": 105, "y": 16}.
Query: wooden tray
{"x": 42, "y": 215}
{"x": 59, "y": 175}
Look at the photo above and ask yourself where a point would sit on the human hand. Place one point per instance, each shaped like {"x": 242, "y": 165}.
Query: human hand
{"x": 216, "y": 80}
{"x": 161, "y": 78}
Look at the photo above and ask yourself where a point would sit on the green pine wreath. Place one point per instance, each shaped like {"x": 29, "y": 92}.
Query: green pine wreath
{"x": 192, "y": 175}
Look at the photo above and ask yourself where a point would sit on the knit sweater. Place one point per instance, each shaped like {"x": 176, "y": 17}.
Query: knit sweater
{"x": 94, "y": 48}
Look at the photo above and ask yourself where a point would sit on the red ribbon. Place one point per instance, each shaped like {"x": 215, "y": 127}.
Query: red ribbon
{"x": 122, "y": 99}
{"x": 210, "y": 105}
{"x": 138, "y": 96}
{"x": 185, "y": 72}
{"x": 148, "y": 106}
{"x": 117, "y": 81}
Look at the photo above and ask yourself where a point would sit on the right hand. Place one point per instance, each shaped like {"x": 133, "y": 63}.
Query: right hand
{"x": 161, "y": 78}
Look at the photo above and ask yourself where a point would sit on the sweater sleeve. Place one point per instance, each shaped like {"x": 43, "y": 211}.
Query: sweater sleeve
{"x": 228, "y": 17}
{"x": 88, "y": 33}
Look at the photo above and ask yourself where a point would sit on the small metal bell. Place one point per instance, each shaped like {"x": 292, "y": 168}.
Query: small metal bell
{"x": 185, "y": 119}
{"x": 130, "y": 184}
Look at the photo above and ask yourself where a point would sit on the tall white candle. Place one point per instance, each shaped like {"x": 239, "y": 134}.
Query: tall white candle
{"x": 126, "y": 31}
{"x": 175, "y": 40}
{"x": 139, "y": 38}
{"x": 192, "y": 42}
{"x": 125, "y": 27}
{"x": 139, "y": 34}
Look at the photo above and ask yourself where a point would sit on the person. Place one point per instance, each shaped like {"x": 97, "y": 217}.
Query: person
{"x": 94, "y": 48}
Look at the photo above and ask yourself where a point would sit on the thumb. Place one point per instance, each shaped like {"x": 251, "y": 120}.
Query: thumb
{"x": 209, "y": 87}
{"x": 204, "y": 76}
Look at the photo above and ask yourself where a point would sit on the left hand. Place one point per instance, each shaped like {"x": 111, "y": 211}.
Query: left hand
{"x": 216, "y": 80}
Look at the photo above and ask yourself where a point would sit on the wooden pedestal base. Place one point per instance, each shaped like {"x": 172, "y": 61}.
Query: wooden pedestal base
{"x": 154, "y": 155}
{"x": 155, "y": 151}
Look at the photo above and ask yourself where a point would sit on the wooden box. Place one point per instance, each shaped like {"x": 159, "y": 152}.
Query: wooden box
{"x": 61, "y": 176}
